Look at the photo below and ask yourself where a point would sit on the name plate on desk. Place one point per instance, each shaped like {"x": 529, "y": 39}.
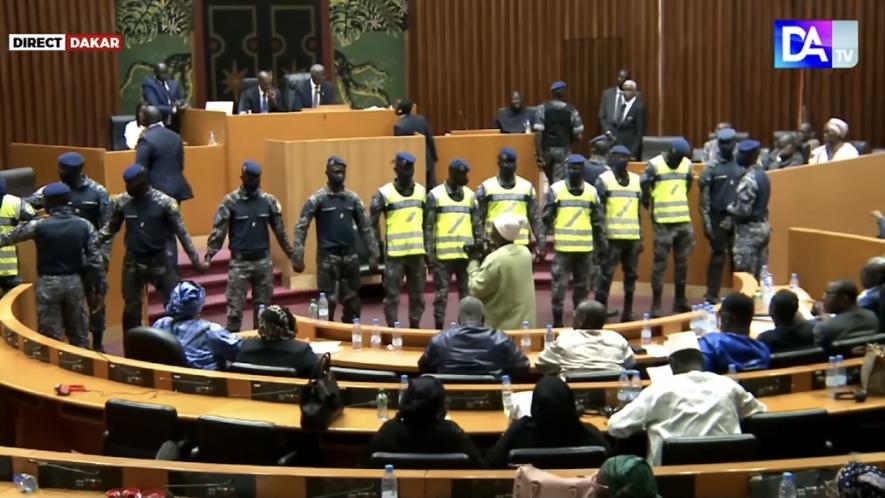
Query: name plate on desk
{"x": 275, "y": 392}
{"x": 768, "y": 386}
{"x": 135, "y": 376}
{"x": 475, "y": 400}
{"x": 207, "y": 485}
{"x": 482, "y": 488}
{"x": 36, "y": 351}
{"x": 67, "y": 475}
{"x": 197, "y": 384}
{"x": 75, "y": 363}
{"x": 819, "y": 377}
{"x": 10, "y": 338}
{"x": 345, "y": 488}
{"x": 591, "y": 398}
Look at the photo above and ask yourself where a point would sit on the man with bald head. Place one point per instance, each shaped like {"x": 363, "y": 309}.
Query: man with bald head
{"x": 164, "y": 93}
{"x": 472, "y": 348}
{"x": 515, "y": 118}
{"x": 846, "y": 320}
{"x": 586, "y": 346}
{"x": 315, "y": 91}
{"x": 262, "y": 98}
{"x": 628, "y": 126}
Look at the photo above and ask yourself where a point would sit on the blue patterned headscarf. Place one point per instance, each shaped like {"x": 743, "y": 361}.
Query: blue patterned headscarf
{"x": 860, "y": 480}
{"x": 186, "y": 300}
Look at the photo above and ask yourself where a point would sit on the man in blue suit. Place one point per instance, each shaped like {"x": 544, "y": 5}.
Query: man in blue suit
{"x": 164, "y": 93}
{"x": 315, "y": 91}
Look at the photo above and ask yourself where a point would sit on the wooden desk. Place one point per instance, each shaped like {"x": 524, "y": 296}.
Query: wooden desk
{"x": 835, "y": 256}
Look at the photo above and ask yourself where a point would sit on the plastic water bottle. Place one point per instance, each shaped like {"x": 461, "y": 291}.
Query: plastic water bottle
{"x": 376, "y": 334}
{"x": 525, "y": 342}
{"x": 388, "y": 483}
{"x": 323, "y": 308}
{"x": 841, "y": 374}
{"x": 313, "y": 310}
{"x": 549, "y": 336}
{"x": 528, "y": 126}
{"x": 397, "y": 341}
{"x": 212, "y": 138}
{"x": 356, "y": 335}
{"x": 695, "y": 320}
{"x": 732, "y": 370}
{"x": 831, "y": 379}
{"x": 635, "y": 384}
{"x": 710, "y": 324}
{"x": 787, "y": 489}
{"x": 623, "y": 388}
{"x": 794, "y": 281}
{"x": 25, "y": 483}
{"x": 767, "y": 287}
{"x": 506, "y": 395}
{"x": 646, "y": 329}
{"x": 381, "y": 400}
{"x": 403, "y": 385}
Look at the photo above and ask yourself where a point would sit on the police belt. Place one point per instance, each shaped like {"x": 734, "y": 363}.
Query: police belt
{"x": 249, "y": 256}
{"x": 337, "y": 251}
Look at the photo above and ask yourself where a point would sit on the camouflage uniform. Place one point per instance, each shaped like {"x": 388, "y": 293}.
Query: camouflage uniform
{"x": 338, "y": 265}
{"x": 250, "y": 262}
{"x": 718, "y": 186}
{"x": 752, "y": 230}
{"x": 680, "y": 238}
{"x": 60, "y": 263}
{"x": 149, "y": 224}
{"x": 557, "y": 135}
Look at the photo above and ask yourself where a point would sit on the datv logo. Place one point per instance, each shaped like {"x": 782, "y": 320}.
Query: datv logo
{"x": 815, "y": 44}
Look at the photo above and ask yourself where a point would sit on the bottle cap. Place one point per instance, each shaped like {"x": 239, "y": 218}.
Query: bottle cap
{"x": 388, "y": 468}
{"x": 322, "y": 294}
{"x": 404, "y": 378}
{"x": 356, "y": 321}
{"x": 505, "y": 378}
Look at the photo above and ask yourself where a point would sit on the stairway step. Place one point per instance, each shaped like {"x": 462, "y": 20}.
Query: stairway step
{"x": 281, "y": 296}
{"x": 214, "y": 282}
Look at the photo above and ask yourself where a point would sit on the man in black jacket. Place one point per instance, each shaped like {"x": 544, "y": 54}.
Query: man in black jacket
{"x": 415, "y": 124}
{"x": 629, "y": 122}
{"x": 314, "y": 91}
{"x": 276, "y": 345}
{"x": 261, "y": 98}
{"x": 790, "y": 331}
{"x": 470, "y": 348}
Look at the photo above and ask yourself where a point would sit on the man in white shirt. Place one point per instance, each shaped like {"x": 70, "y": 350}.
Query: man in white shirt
{"x": 586, "y": 346}
{"x": 690, "y": 403}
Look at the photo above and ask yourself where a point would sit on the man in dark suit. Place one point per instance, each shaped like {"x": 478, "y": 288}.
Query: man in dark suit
{"x": 164, "y": 93}
{"x": 612, "y": 98}
{"x": 515, "y": 118}
{"x": 261, "y": 98}
{"x": 629, "y": 123}
{"x": 315, "y": 91}
{"x": 415, "y": 124}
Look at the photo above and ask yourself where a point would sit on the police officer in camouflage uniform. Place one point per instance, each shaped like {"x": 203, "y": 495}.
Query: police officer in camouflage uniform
{"x": 750, "y": 211}
{"x": 13, "y": 212}
{"x": 718, "y": 184}
{"x": 402, "y": 204}
{"x": 573, "y": 212}
{"x": 90, "y": 201}
{"x": 246, "y": 214}
{"x": 336, "y": 210}
{"x": 557, "y": 125}
{"x": 451, "y": 222}
{"x": 665, "y": 185}
{"x": 151, "y": 217}
{"x": 67, "y": 254}
{"x": 508, "y": 193}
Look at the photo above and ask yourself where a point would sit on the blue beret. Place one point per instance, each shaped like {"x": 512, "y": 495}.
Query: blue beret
{"x": 748, "y": 146}
{"x": 725, "y": 134}
{"x": 132, "y": 172}
{"x": 575, "y": 159}
{"x": 508, "y": 153}
{"x": 250, "y": 166}
{"x": 70, "y": 160}
{"x": 559, "y": 85}
{"x": 56, "y": 190}
{"x": 460, "y": 165}
{"x": 405, "y": 157}
{"x": 333, "y": 160}
{"x": 680, "y": 145}
{"x": 598, "y": 138}
{"x": 620, "y": 149}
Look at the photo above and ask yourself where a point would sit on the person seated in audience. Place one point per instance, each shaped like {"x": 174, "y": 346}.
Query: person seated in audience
{"x": 420, "y": 425}
{"x": 784, "y": 154}
{"x": 710, "y": 152}
{"x": 835, "y": 147}
{"x": 690, "y": 403}
{"x": 276, "y": 346}
{"x": 790, "y": 331}
{"x": 624, "y": 476}
{"x": 807, "y": 141}
{"x": 849, "y": 322}
{"x": 135, "y": 128}
{"x": 587, "y": 346}
{"x": 207, "y": 345}
{"x": 554, "y": 423}
{"x": 472, "y": 348}
{"x": 733, "y": 344}
{"x": 515, "y": 118}
{"x": 860, "y": 480}
{"x": 872, "y": 277}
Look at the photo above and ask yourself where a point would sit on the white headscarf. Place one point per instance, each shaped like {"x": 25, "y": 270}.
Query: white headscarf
{"x": 509, "y": 225}
{"x": 839, "y": 126}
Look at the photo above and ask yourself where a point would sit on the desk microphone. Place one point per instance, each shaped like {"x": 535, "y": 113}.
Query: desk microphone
{"x": 43, "y": 463}
{"x": 462, "y": 118}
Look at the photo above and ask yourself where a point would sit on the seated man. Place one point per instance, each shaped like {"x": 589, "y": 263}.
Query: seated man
{"x": 849, "y": 321}
{"x": 790, "y": 330}
{"x": 471, "y": 348}
{"x": 261, "y": 98}
{"x": 206, "y": 344}
{"x": 733, "y": 345}
{"x": 872, "y": 277}
{"x": 690, "y": 403}
{"x": 785, "y": 153}
{"x": 587, "y": 346}
{"x": 276, "y": 346}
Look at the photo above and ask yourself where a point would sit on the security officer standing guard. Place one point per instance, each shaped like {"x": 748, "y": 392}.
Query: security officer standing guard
{"x": 151, "y": 217}
{"x": 750, "y": 211}
{"x": 451, "y": 222}
{"x": 336, "y": 210}
{"x": 665, "y": 187}
{"x": 620, "y": 193}
{"x": 718, "y": 185}
{"x": 402, "y": 204}
{"x": 246, "y": 213}
{"x": 508, "y": 193}
{"x": 557, "y": 125}
{"x": 12, "y": 213}
{"x": 67, "y": 253}
{"x": 573, "y": 211}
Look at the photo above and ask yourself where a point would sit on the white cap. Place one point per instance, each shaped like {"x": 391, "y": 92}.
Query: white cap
{"x": 509, "y": 225}
{"x": 680, "y": 341}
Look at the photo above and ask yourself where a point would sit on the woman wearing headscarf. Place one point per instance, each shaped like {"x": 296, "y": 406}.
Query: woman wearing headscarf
{"x": 276, "y": 346}
{"x": 554, "y": 423}
{"x": 835, "y": 147}
{"x": 207, "y": 345}
{"x": 861, "y": 480}
{"x": 420, "y": 425}
{"x": 625, "y": 476}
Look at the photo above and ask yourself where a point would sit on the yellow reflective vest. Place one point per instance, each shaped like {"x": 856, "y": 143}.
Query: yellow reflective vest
{"x": 453, "y": 227}
{"x": 670, "y": 193}
{"x": 405, "y": 220}
{"x": 573, "y": 228}
{"x": 514, "y": 200}
{"x": 10, "y": 210}
{"x": 622, "y": 206}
